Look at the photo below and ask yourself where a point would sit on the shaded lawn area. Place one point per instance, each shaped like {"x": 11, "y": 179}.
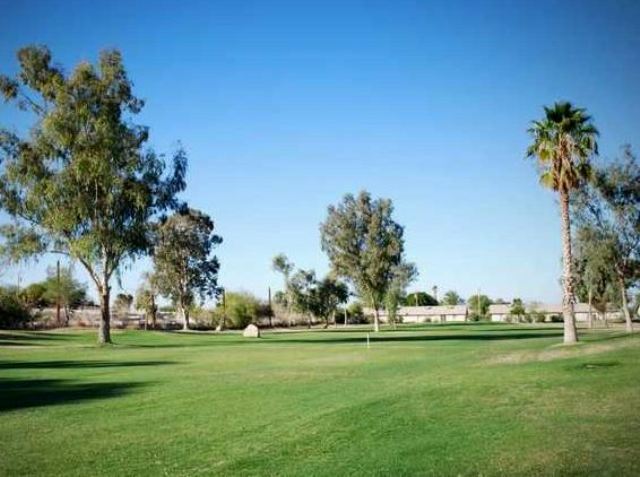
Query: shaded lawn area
{"x": 433, "y": 399}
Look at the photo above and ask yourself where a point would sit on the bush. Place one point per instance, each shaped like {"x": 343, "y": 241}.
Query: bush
{"x": 355, "y": 314}
{"x": 13, "y": 313}
{"x": 537, "y": 317}
{"x": 242, "y": 309}
{"x": 557, "y": 319}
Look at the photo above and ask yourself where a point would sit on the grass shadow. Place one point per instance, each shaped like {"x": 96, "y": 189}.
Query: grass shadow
{"x": 78, "y": 364}
{"x": 482, "y": 336}
{"x": 28, "y": 393}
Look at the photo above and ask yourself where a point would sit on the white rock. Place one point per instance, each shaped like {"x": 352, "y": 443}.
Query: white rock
{"x": 251, "y": 331}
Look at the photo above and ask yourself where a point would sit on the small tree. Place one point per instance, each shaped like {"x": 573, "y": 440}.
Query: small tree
{"x": 403, "y": 275}
{"x": 284, "y": 266}
{"x": 82, "y": 182}
{"x": 451, "y": 298}
{"x": 419, "y": 299}
{"x": 300, "y": 291}
{"x": 184, "y": 264}
{"x": 325, "y": 297}
{"x": 596, "y": 279}
{"x": 517, "y": 309}
{"x": 64, "y": 289}
{"x": 146, "y": 298}
{"x": 479, "y": 306}
{"x": 123, "y": 303}
{"x": 364, "y": 245}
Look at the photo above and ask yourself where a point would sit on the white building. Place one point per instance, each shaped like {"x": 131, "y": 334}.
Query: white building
{"x": 427, "y": 314}
{"x": 502, "y": 312}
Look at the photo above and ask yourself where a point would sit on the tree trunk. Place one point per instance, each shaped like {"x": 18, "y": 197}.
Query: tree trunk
{"x": 104, "y": 330}
{"x": 625, "y": 306}
{"x": 376, "y": 321}
{"x": 590, "y": 309}
{"x": 570, "y": 333}
{"x": 185, "y": 317}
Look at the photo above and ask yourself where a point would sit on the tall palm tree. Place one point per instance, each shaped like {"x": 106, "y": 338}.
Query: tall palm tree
{"x": 563, "y": 143}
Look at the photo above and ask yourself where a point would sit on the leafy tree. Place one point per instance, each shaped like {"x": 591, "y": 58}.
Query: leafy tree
{"x": 299, "y": 291}
{"x": 611, "y": 207}
{"x": 324, "y": 297}
{"x": 563, "y": 143}
{"x": 34, "y": 295}
{"x": 517, "y": 309}
{"x": 403, "y": 275}
{"x": 597, "y": 282}
{"x": 451, "y": 298}
{"x": 82, "y": 182}
{"x": 146, "y": 298}
{"x": 184, "y": 264}
{"x": 419, "y": 299}
{"x": 364, "y": 245}
{"x": 284, "y": 266}
{"x": 65, "y": 288}
{"x": 479, "y": 306}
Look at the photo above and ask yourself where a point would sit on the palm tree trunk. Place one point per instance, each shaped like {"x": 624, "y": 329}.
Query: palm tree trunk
{"x": 625, "y": 306}
{"x": 570, "y": 333}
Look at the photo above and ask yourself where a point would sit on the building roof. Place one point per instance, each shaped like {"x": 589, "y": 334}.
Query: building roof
{"x": 437, "y": 310}
{"x": 500, "y": 309}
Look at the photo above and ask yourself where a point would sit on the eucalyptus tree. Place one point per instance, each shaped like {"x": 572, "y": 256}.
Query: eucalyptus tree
{"x": 81, "y": 182}
{"x": 364, "y": 245}
{"x": 184, "y": 264}
{"x": 611, "y": 207}
{"x": 563, "y": 143}
{"x": 299, "y": 290}
{"x": 596, "y": 283}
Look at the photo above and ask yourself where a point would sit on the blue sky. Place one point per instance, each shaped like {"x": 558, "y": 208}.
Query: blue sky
{"x": 284, "y": 107}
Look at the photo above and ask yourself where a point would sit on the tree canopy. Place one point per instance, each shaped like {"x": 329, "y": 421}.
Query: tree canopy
{"x": 185, "y": 267}
{"x": 365, "y": 245}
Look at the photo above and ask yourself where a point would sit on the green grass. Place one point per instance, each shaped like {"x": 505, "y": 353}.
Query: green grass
{"x": 434, "y": 400}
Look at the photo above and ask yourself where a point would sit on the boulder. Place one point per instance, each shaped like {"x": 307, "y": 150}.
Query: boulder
{"x": 251, "y": 331}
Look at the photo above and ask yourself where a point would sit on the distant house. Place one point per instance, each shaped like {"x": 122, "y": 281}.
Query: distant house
{"x": 581, "y": 310}
{"x": 499, "y": 312}
{"x": 427, "y": 314}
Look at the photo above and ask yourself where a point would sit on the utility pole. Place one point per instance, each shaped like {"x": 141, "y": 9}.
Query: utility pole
{"x": 435, "y": 292}
{"x": 58, "y": 292}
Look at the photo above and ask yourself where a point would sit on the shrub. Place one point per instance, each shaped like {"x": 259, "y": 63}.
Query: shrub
{"x": 557, "y": 319}
{"x": 13, "y": 313}
{"x": 537, "y": 317}
{"x": 242, "y": 309}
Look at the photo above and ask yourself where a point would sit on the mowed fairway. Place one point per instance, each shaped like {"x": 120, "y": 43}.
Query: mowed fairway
{"x": 438, "y": 400}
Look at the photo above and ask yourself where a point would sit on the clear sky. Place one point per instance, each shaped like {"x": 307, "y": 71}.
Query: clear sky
{"x": 284, "y": 107}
